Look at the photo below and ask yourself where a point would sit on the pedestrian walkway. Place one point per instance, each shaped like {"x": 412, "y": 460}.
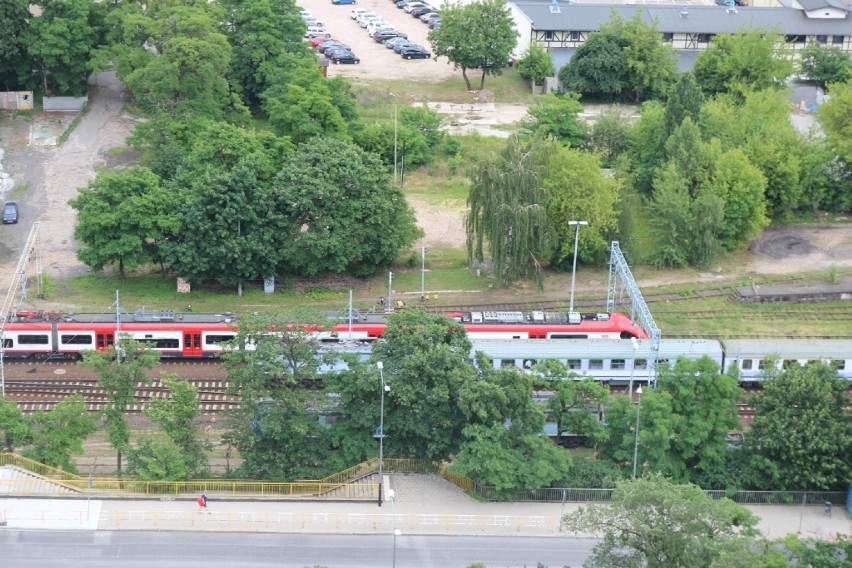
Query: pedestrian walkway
{"x": 417, "y": 505}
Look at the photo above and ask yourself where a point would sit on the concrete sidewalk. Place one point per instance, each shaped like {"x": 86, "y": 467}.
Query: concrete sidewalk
{"x": 421, "y": 505}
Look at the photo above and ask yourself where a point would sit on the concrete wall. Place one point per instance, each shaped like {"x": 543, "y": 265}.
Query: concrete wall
{"x": 16, "y": 100}
{"x": 64, "y": 103}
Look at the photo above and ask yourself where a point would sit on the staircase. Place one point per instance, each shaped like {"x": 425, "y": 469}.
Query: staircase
{"x": 18, "y": 481}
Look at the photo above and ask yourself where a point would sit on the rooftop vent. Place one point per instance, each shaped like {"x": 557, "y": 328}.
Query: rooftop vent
{"x": 554, "y": 7}
{"x": 684, "y": 11}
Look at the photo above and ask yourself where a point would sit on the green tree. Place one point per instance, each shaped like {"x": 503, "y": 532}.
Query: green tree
{"x": 425, "y": 364}
{"x": 535, "y": 65}
{"x": 118, "y": 376}
{"x": 598, "y": 68}
{"x": 59, "y": 43}
{"x": 835, "y": 117}
{"x": 342, "y": 213}
{"x": 651, "y": 63}
{"x": 277, "y": 429}
{"x": 14, "y": 430}
{"x": 741, "y": 186}
{"x": 14, "y": 61}
{"x": 123, "y": 217}
{"x": 480, "y": 35}
{"x": 670, "y": 219}
{"x": 655, "y": 523}
{"x": 684, "y": 100}
{"x": 558, "y": 116}
{"x": 576, "y": 405}
{"x": 803, "y": 426}
{"x": 609, "y": 135}
{"x": 57, "y": 435}
{"x": 647, "y": 147}
{"x": 825, "y": 64}
{"x": 746, "y": 61}
{"x": 232, "y": 225}
{"x": 817, "y": 552}
{"x": 504, "y": 431}
{"x": 302, "y": 114}
{"x": 577, "y": 188}
{"x": 182, "y": 450}
{"x": 508, "y": 210}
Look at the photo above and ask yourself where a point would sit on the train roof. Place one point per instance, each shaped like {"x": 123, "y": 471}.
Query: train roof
{"x": 139, "y": 316}
{"x": 788, "y": 348}
{"x": 595, "y": 348}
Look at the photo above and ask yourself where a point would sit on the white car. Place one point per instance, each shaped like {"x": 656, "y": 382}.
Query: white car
{"x": 304, "y": 14}
{"x": 412, "y": 5}
{"x": 314, "y": 31}
{"x": 377, "y": 26}
{"x": 366, "y": 16}
{"x": 369, "y": 20}
{"x": 358, "y": 11}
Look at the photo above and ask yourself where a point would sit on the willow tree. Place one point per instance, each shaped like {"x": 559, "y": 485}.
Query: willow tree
{"x": 508, "y": 210}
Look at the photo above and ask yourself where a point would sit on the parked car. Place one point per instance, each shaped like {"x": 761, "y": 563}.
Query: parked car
{"x": 420, "y": 10}
{"x": 382, "y": 36}
{"x": 10, "y": 212}
{"x": 357, "y": 12}
{"x": 435, "y": 24}
{"x": 429, "y": 16}
{"x": 342, "y": 57}
{"x": 367, "y": 19}
{"x": 342, "y": 1}
{"x": 412, "y": 5}
{"x": 332, "y": 45}
{"x": 403, "y": 44}
{"x": 313, "y": 22}
{"x": 415, "y": 52}
{"x": 392, "y": 42}
{"x": 336, "y": 51}
{"x": 319, "y": 40}
{"x": 378, "y": 26}
{"x": 365, "y": 16}
{"x": 305, "y": 14}
{"x": 313, "y": 32}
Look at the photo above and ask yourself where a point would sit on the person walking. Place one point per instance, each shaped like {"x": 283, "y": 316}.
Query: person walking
{"x": 202, "y": 501}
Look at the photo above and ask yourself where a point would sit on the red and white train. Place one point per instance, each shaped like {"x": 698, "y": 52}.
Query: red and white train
{"x": 190, "y": 335}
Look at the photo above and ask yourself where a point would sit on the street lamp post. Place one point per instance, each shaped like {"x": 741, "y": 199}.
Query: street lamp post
{"x": 423, "y": 273}
{"x": 395, "y": 137}
{"x": 633, "y": 365}
{"x": 636, "y": 441}
{"x": 396, "y": 533}
{"x": 574, "y": 270}
{"x": 385, "y": 388}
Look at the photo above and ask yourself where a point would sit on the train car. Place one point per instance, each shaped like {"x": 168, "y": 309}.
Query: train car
{"x": 29, "y": 340}
{"x": 547, "y": 325}
{"x": 609, "y": 361}
{"x": 751, "y": 356}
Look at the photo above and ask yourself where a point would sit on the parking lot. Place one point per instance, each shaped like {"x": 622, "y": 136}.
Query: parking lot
{"x": 378, "y": 62}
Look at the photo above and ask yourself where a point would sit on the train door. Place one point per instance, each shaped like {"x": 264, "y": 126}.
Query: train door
{"x": 104, "y": 340}
{"x": 192, "y": 344}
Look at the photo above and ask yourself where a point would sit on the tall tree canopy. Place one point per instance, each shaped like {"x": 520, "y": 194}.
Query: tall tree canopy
{"x": 750, "y": 60}
{"x": 508, "y": 210}
{"x": 655, "y": 523}
{"x": 14, "y": 72}
{"x": 803, "y": 426}
{"x": 341, "y": 211}
{"x": 480, "y": 35}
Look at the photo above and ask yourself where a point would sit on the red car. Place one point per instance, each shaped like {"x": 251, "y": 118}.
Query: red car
{"x": 315, "y": 41}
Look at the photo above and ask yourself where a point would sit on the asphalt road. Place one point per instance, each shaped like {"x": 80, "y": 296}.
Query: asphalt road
{"x": 77, "y": 549}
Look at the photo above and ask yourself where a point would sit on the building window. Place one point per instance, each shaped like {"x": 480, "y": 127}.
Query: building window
{"x": 822, "y": 39}
{"x": 575, "y": 36}
{"x": 668, "y": 37}
{"x": 837, "y": 40}
{"x": 596, "y": 364}
{"x": 705, "y": 38}
{"x": 795, "y": 38}
{"x": 548, "y": 36}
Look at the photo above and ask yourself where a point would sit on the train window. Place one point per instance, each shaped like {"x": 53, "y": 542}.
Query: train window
{"x": 748, "y": 364}
{"x": 218, "y": 339}
{"x": 761, "y": 364}
{"x": 839, "y": 364}
{"x": 617, "y": 364}
{"x": 529, "y": 363}
{"x": 507, "y": 363}
{"x": 569, "y": 336}
{"x": 789, "y": 363}
{"x": 33, "y": 339}
{"x": 640, "y": 364}
{"x": 573, "y": 364}
{"x": 595, "y": 364}
{"x": 7, "y": 342}
{"x": 75, "y": 339}
{"x": 161, "y": 343}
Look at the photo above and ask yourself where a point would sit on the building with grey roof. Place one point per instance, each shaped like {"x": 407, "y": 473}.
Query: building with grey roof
{"x": 563, "y": 27}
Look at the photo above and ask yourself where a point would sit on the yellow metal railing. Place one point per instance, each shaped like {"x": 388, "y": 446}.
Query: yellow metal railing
{"x": 339, "y": 484}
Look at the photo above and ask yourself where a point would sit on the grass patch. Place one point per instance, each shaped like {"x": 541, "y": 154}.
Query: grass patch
{"x": 67, "y": 132}
{"x": 19, "y": 190}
